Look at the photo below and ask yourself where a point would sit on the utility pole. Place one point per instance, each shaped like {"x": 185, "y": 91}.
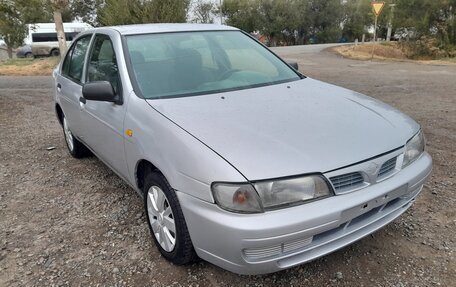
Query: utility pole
{"x": 390, "y": 22}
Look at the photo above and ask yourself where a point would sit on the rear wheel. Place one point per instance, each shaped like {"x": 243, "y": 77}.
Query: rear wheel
{"x": 75, "y": 147}
{"x": 166, "y": 220}
{"x": 55, "y": 53}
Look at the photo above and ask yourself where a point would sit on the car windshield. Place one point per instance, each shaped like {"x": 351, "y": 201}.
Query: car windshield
{"x": 195, "y": 63}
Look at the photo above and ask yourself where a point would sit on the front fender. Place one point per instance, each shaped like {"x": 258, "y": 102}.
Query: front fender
{"x": 188, "y": 164}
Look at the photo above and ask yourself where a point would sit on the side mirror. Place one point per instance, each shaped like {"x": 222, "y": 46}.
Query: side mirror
{"x": 294, "y": 64}
{"x": 100, "y": 91}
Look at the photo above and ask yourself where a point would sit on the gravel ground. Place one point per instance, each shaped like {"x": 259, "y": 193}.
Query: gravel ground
{"x": 73, "y": 222}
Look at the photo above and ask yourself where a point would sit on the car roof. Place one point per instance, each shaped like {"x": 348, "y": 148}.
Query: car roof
{"x": 166, "y": 28}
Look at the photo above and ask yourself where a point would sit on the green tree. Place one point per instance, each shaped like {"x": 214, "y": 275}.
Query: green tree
{"x": 242, "y": 14}
{"x": 85, "y": 10}
{"x": 325, "y": 19}
{"x": 358, "y": 17}
{"x": 12, "y": 26}
{"x": 287, "y": 21}
{"x": 14, "y": 17}
{"x": 109, "y": 14}
{"x": 203, "y": 11}
{"x": 275, "y": 19}
{"x": 433, "y": 18}
{"x": 278, "y": 20}
{"x": 16, "y": 14}
{"x": 304, "y": 21}
{"x": 166, "y": 11}
{"x": 142, "y": 11}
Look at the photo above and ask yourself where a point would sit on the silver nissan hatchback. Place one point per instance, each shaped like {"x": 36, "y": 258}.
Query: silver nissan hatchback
{"x": 241, "y": 160}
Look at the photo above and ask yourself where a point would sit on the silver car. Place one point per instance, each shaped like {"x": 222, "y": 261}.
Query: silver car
{"x": 241, "y": 160}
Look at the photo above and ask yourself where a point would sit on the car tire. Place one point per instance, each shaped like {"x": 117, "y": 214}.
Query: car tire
{"x": 162, "y": 209}
{"x": 75, "y": 147}
{"x": 55, "y": 53}
{"x": 29, "y": 55}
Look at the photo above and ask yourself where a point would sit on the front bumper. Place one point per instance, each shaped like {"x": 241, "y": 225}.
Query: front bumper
{"x": 276, "y": 240}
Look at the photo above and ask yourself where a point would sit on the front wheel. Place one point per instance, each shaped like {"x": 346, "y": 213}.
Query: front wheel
{"x": 166, "y": 220}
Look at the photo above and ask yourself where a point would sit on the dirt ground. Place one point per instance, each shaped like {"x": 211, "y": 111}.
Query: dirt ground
{"x": 73, "y": 222}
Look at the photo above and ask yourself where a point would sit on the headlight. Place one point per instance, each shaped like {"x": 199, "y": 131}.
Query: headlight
{"x": 292, "y": 191}
{"x": 413, "y": 149}
{"x": 269, "y": 194}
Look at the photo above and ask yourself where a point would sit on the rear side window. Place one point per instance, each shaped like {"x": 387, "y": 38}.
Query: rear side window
{"x": 74, "y": 61}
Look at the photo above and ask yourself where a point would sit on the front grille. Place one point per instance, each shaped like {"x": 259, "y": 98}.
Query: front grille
{"x": 387, "y": 167}
{"x": 347, "y": 181}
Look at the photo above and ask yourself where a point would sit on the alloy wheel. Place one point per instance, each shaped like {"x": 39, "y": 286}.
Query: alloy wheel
{"x": 161, "y": 218}
{"x": 68, "y": 135}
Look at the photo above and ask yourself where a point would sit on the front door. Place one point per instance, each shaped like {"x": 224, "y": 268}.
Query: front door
{"x": 103, "y": 121}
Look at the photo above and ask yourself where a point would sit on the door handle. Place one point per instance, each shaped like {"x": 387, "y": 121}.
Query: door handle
{"x": 82, "y": 100}
{"x": 59, "y": 87}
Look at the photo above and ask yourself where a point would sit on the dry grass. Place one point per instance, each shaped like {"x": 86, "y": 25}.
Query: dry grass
{"x": 364, "y": 51}
{"x": 28, "y": 67}
{"x": 382, "y": 51}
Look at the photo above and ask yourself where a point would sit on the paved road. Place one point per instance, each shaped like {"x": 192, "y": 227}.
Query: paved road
{"x": 73, "y": 222}
{"x": 305, "y": 49}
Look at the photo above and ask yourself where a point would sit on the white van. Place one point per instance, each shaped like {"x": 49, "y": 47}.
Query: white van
{"x": 42, "y": 37}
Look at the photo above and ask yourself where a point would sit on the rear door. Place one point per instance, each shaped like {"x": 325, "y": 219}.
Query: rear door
{"x": 69, "y": 83}
{"x": 103, "y": 121}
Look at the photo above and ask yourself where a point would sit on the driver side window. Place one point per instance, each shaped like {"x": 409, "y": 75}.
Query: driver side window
{"x": 103, "y": 63}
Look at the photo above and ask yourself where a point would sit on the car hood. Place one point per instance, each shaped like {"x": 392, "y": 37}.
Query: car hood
{"x": 300, "y": 127}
